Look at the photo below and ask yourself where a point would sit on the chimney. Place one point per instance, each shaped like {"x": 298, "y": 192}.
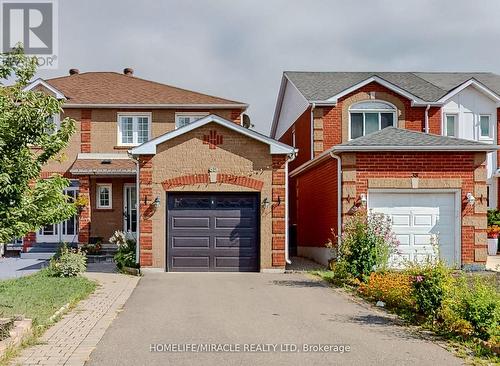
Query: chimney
{"x": 128, "y": 71}
{"x": 74, "y": 71}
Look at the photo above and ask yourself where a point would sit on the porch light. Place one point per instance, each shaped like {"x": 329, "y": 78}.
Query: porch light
{"x": 362, "y": 197}
{"x": 156, "y": 202}
{"x": 266, "y": 203}
{"x": 470, "y": 198}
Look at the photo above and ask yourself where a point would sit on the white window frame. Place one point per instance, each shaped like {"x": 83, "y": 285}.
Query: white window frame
{"x": 56, "y": 118}
{"x": 188, "y": 114}
{"x": 99, "y": 186}
{"x": 393, "y": 110}
{"x": 135, "y": 134}
{"x": 490, "y": 129}
{"x": 445, "y": 124}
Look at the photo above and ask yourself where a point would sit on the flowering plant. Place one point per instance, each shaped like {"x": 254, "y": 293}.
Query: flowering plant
{"x": 493, "y": 231}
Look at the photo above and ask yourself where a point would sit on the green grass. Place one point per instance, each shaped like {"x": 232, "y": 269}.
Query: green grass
{"x": 39, "y": 296}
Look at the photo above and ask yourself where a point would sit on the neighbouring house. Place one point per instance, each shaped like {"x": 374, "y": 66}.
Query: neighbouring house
{"x": 174, "y": 169}
{"x": 418, "y": 147}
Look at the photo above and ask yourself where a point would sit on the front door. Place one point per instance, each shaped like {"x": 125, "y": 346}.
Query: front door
{"x": 130, "y": 209}
{"x": 62, "y": 232}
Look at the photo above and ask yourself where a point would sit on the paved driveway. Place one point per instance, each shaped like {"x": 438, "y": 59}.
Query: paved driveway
{"x": 255, "y": 309}
{"x": 17, "y": 267}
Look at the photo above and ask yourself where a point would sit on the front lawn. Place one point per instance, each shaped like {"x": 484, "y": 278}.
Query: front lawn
{"x": 39, "y": 296}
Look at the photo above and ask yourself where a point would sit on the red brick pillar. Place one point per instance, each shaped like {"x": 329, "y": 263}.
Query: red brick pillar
{"x": 28, "y": 241}
{"x": 146, "y": 210}
{"x": 236, "y": 116}
{"x": 278, "y": 211}
{"x": 85, "y": 130}
{"x": 84, "y": 219}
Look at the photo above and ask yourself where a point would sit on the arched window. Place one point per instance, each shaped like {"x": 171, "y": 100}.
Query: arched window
{"x": 370, "y": 116}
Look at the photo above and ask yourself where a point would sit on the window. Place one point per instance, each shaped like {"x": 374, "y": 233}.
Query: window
{"x": 368, "y": 117}
{"x": 104, "y": 197}
{"x": 450, "y": 125}
{"x": 53, "y": 124}
{"x": 484, "y": 127}
{"x": 133, "y": 129}
{"x": 182, "y": 119}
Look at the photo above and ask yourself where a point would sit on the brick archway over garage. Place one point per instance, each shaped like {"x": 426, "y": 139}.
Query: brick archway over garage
{"x": 237, "y": 180}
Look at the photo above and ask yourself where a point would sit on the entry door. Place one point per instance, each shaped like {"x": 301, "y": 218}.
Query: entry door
{"x": 213, "y": 232}
{"x": 416, "y": 217}
{"x": 130, "y": 208}
{"x": 66, "y": 231}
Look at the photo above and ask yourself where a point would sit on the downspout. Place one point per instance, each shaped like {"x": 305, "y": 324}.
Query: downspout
{"x": 313, "y": 106}
{"x": 339, "y": 197}
{"x": 138, "y": 209}
{"x": 291, "y": 157}
{"x": 427, "y": 118}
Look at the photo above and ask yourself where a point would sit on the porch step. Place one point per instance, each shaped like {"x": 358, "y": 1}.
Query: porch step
{"x": 37, "y": 255}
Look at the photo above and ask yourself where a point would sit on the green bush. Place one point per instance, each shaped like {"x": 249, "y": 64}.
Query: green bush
{"x": 367, "y": 244}
{"x": 68, "y": 263}
{"x": 126, "y": 254}
{"x": 493, "y": 217}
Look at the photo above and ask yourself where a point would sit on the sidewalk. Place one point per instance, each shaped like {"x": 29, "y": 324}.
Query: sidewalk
{"x": 71, "y": 340}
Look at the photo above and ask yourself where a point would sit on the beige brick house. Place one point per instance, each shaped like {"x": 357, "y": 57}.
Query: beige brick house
{"x": 173, "y": 168}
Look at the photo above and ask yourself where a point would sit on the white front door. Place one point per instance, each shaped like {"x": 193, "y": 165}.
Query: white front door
{"x": 416, "y": 217}
{"x": 130, "y": 209}
{"x": 62, "y": 232}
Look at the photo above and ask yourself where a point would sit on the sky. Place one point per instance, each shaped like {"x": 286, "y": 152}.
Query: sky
{"x": 238, "y": 49}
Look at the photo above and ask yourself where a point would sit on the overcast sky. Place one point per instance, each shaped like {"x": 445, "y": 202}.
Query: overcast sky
{"x": 239, "y": 49}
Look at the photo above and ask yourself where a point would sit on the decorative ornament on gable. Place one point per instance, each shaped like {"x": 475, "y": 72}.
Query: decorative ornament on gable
{"x": 212, "y": 139}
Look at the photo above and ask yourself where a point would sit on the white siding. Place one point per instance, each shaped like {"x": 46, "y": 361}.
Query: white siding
{"x": 294, "y": 104}
{"x": 468, "y": 105}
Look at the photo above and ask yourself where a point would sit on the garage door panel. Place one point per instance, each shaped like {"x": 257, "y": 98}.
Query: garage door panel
{"x": 190, "y": 242}
{"x": 191, "y": 222}
{"x": 220, "y": 237}
{"x": 416, "y": 219}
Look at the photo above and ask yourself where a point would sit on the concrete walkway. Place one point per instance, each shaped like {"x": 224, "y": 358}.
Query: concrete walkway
{"x": 17, "y": 267}
{"x": 242, "y": 309}
{"x": 71, "y": 340}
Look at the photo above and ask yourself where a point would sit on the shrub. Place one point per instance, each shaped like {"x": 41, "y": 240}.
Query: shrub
{"x": 493, "y": 217}
{"x": 69, "y": 263}
{"x": 91, "y": 248}
{"x": 393, "y": 288}
{"x": 126, "y": 254}
{"x": 367, "y": 244}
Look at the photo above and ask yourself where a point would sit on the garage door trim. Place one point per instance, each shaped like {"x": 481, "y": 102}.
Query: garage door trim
{"x": 458, "y": 206}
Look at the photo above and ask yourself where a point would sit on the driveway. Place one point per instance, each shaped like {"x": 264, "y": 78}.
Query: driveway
{"x": 17, "y": 267}
{"x": 242, "y": 309}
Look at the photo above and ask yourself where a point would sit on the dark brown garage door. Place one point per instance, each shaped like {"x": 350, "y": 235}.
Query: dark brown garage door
{"x": 213, "y": 232}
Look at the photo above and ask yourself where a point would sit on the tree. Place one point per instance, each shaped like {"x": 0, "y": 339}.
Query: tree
{"x": 28, "y": 140}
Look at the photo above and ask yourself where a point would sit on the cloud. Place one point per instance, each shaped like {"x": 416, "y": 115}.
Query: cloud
{"x": 238, "y": 49}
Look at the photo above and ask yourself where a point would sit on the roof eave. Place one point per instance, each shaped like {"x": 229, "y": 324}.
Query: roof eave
{"x": 457, "y": 148}
{"x": 159, "y": 106}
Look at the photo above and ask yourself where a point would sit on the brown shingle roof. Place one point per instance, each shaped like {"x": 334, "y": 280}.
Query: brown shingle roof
{"x": 115, "y": 88}
{"x": 96, "y": 167}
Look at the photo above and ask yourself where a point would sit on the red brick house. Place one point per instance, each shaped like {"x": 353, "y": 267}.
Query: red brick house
{"x": 419, "y": 147}
{"x": 173, "y": 168}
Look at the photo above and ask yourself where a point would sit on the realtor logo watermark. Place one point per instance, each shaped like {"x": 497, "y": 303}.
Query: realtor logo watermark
{"x": 34, "y": 24}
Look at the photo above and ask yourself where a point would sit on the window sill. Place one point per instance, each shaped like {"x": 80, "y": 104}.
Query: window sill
{"x": 124, "y": 147}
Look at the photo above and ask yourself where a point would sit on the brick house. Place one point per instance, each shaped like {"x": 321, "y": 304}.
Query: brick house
{"x": 419, "y": 147}
{"x": 173, "y": 168}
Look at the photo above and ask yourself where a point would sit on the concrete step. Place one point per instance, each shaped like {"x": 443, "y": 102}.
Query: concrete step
{"x": 37, "y": 255}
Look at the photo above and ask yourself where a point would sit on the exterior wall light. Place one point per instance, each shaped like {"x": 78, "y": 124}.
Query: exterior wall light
{"x": 156, "y": 202}
{"x": 266, "y": 203}
{"x": 362, "y": 197}
{"x": 470, "y": 198}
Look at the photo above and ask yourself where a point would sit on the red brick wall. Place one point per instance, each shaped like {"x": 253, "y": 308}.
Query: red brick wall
{"x": 434, "y": 114}
{"x": 86, "y": 122}
{"x": 145, "y": 210}
{"x": 84, "y": 219}
{"x": 316, "y": 204}
{"x": 278, "y": 211}
{"x": 302, "y": 139}
{"x": 426, "y": 165}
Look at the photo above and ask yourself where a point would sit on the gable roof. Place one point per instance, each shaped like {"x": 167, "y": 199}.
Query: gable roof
{"x": 428, "y": 87}
{"x": 109, "y": 89}
{"x": 394, "y": 139}
{"x": 275, "y": 147}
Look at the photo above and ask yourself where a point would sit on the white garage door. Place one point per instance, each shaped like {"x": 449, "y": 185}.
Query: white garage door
{"x": 416, "y": 217}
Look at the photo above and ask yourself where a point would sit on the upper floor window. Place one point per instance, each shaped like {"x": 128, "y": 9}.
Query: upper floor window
{"x": 450, "y": 125}
{"x": 134, "y": 129}
{"x": 184, "y": 118}
{"x": 53, "y": 124}
{"x": 484, "y": 127}
{"x": 370, "y": 116}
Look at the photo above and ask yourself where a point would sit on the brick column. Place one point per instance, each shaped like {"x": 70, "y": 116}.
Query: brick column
{"x": 145, "y": 222}
{"x": 236, "y": 116}
{"x": 278, "y": 211}
{"x": 317, "y": 131}
{"x": 28, "y": 241}
{"x": 85, "y": 130}
{"x": 84, "y": 219}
